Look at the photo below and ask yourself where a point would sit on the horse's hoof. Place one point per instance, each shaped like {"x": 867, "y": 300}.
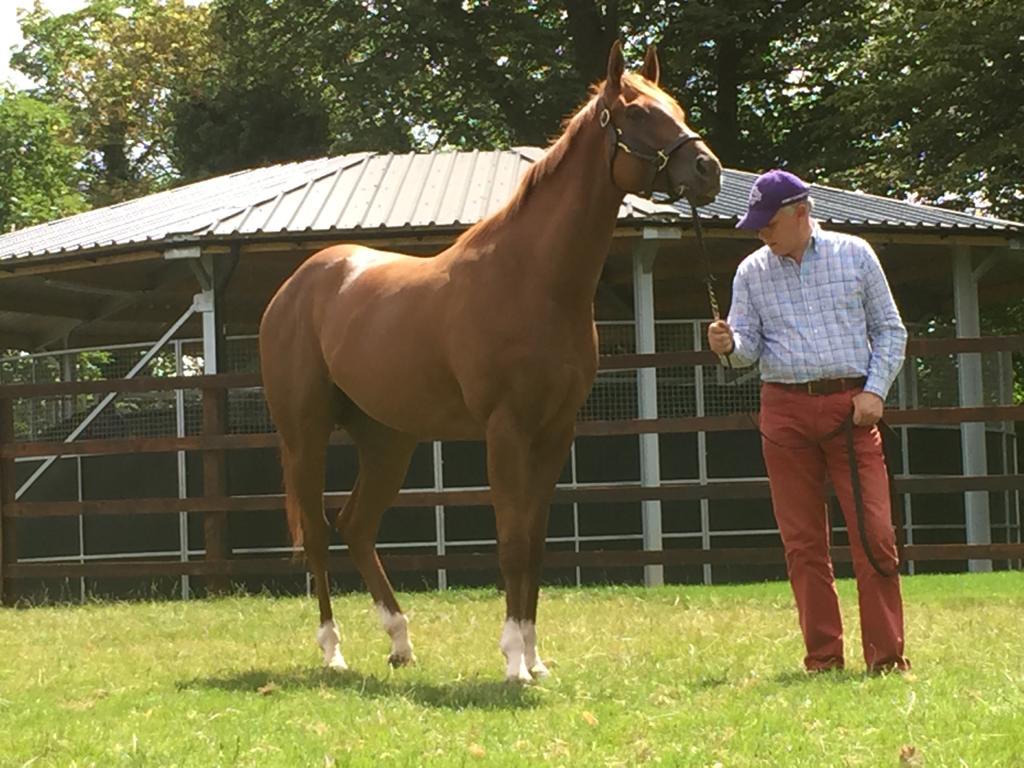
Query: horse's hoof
{"x": 539, "y": 670}
{"x": 523, "y": 678}
{"x": 518, "y": 675}
{"x": 336, "y": 663}
{"x": 397, "y": 660}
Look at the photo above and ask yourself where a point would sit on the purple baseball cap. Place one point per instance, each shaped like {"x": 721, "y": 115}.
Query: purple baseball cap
{"x": 771, "y": 191}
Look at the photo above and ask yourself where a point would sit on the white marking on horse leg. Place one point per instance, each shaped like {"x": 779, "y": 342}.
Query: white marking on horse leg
{"x": 397, "y": 627}
{"x": 530, "y": 656}
{"x": 511, "y": 645}
{"x": 330, "y": 643}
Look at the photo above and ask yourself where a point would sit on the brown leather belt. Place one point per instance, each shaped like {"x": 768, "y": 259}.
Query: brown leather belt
{"x": 823, "y": 386}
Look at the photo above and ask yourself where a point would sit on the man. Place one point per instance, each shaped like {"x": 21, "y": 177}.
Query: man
{"x": 814, "y": 308}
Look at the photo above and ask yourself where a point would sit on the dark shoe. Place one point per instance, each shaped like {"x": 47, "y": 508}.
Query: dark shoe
{"x": 900, "y": 666}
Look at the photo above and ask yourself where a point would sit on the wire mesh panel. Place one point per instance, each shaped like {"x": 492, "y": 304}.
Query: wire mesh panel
{"x": 131, "y": 414}
{"x": 677, "y": 386}
{"x": 614, "y": 393}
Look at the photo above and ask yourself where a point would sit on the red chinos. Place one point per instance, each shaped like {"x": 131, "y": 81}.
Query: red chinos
{"x": 799, "y": 453}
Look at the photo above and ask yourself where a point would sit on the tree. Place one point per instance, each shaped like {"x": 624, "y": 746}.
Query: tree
{"x": 931, "y": 104}
{"x": 299, "y": 78}
{"x": 112, "y": 67}
{"x": 39, "y": 171}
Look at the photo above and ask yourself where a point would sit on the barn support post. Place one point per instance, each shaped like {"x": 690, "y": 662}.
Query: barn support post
{"x": 438, "y": 456}
{"x": 210, "y": 272}
{"x": 647, "y": 402}
{"x": 8, "y": 544}
{"x": 215, "y": 486}
{"x": 702, "y": 454}
{"x": 182, "y": 467}
{"x": 972, "y": 435}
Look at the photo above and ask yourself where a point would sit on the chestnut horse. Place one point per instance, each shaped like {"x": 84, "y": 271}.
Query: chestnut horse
{"x": 492, "y": 339}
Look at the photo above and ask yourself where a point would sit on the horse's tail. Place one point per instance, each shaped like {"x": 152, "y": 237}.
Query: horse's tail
{"x": 292, "y": 508}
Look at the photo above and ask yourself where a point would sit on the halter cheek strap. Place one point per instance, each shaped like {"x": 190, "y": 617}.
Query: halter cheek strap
{"x": 659, "y": 158}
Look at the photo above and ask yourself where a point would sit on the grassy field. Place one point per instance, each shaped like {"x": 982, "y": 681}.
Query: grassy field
{"x": 677, "y": 676}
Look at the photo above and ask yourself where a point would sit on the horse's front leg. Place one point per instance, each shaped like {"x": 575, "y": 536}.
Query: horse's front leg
{"x": 522, "y": 470}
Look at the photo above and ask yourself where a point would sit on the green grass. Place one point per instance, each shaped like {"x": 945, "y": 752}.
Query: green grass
{"x": 678, "y": 676}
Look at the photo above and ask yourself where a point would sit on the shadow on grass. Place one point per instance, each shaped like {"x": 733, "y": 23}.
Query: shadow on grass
{"x": 471, "y": 693}
{"x": 710, "y": 681}
{"x": 832, "y": 676}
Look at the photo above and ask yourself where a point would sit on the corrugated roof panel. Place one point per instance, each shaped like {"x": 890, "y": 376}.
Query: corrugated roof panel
{"x": 183, "y": 210}
{"x": 389, "y": 189}
{"x": 411, "y": 192}
{"x": 847, "y": 207}
{"x": 304, "y": 216}
{"x": 480, "y": 185}
{"x": 228, "y": 224}
{"x": 280, "y": 217}
{"x": 455, "y": 192}
{"x": 389, "y": 192}
{"x": 334, "y": 205}
{"x": 358, "y": 205}
{"x": 254, "y": 219}
{"x": 504, "y": 182}
{"x": 432, "y": 195}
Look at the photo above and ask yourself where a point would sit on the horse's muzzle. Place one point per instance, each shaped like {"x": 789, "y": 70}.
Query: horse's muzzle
{"x": 702, "y": 181}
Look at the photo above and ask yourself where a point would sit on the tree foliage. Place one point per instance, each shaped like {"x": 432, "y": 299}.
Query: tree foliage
{"x": 920, "y": 97}
{"x": 38, "y": 162}
{"x": 930, "y": 104}
{"x": 301, "y": 77}
{"x": 113, "y": 67}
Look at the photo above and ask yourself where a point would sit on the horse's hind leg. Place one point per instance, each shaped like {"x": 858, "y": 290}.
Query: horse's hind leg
{"x": 384, "y": 456}
{"x": 303, "y": 460}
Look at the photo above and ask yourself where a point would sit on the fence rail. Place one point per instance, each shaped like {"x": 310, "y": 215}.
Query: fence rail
{"x": 483, "y": 561}
{"x": 215, "y": 504}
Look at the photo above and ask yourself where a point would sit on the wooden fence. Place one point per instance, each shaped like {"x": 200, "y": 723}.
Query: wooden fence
{"x": 215, "y": 503}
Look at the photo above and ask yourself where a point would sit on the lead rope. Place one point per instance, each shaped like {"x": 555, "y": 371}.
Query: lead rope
{"x": 709, "y": 278}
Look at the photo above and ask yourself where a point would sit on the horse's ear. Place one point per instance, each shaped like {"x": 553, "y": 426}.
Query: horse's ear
{"x": 616, "y": 66}
{"x": 651, "y": 70}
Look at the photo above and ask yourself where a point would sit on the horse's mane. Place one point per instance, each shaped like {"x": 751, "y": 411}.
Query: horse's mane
{"x": 538, "y": 171}
{"x": 555, "y": 153}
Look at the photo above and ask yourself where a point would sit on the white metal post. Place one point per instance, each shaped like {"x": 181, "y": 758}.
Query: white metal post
{"x": 179, "y": 411}
{"x": 702, "y": 454}
{"x": 442, "y": 573}
{"x": 972, "y": 436}
{"x": 647, "y": 402}
{"x": 905, "y": 383}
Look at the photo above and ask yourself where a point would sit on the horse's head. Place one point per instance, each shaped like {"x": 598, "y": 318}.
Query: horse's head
{"x": 653, "y": 149}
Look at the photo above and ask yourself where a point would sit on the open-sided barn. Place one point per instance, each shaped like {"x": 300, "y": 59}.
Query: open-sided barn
{"x": 665, "y": 479}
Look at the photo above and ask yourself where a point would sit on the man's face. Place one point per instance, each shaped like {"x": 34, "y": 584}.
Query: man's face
{"x": 785, "y": 233}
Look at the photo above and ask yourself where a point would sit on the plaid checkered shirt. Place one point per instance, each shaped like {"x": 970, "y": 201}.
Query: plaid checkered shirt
{"x": 831, "y": 316}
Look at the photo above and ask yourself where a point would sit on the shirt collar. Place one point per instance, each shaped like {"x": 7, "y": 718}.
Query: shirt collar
{"x": 811, "y": 249}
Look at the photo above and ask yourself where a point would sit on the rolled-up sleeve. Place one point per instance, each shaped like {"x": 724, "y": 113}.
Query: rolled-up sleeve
{"x": 745, "y": 323}
{"x": 886, "y": 333}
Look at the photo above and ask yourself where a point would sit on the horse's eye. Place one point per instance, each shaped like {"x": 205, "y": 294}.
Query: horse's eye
{"x": 635, "y": 112}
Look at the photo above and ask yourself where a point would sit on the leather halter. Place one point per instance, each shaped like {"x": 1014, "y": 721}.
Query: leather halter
{"x": 658, "y": 158}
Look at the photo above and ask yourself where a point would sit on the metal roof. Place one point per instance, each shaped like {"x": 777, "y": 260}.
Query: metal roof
{"x": 839, "y": 206}
{"x": 385, "y": 193}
